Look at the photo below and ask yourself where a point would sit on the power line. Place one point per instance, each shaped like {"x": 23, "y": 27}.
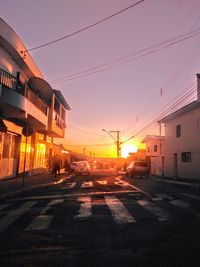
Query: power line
{"x": 85, "y": 28}
{"x": 91, "y": 145}
{"x": 128, "y": 58}
{"x": 168, "y": 110}
{"x": 85, "y": 132}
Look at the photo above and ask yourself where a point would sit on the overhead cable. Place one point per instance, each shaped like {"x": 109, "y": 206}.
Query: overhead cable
{"x": 178, "y": 104}
{"x": 85, "y": 28}
{"x": 128, "y": 58}
{"x": 85, "y": 132}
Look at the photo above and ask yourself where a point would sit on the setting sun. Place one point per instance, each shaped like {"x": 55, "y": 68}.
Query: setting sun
{"x": 127, "y": 148}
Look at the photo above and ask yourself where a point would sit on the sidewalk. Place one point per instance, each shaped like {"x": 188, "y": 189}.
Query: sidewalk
{"x": 195, "y": 183}
{"x": 12, "y": 186}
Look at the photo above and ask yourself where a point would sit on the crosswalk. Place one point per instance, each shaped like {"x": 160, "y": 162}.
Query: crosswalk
{"x": 92, "y": 184}
{"x": 121, "y": 210}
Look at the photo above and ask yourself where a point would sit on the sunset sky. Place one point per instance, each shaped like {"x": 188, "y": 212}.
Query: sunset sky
{"x": 118, "y": 74}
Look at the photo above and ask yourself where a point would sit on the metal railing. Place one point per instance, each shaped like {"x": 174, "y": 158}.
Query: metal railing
{"x": 59, "y": 121}
{"x": 9, "y": 81}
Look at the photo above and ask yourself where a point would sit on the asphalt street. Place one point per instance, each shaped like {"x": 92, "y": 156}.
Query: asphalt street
{"x": 104, "y": 219}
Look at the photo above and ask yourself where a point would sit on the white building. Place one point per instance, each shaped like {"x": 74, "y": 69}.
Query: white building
{"x": 31, "y": 112}
{"x": 182, "y": 140}
{"x": 154, "y": 153}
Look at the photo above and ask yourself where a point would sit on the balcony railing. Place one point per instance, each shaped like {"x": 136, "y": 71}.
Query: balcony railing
{"x": 60, "y": 122}
{"x": 9, "y": 81}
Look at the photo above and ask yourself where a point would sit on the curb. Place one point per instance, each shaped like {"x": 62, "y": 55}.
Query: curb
{"x": 24, "y": 190}
{"x": 193, "y": 185}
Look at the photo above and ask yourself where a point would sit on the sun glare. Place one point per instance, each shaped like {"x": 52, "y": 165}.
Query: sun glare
{"x": 127, "y": 148}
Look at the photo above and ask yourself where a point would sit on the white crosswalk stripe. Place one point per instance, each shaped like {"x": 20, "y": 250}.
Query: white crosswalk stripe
{"x": 69, "y": 185}
{"x": 85, "y": 210}
{"x": 122, "y": 183}
{"x": 12, "y": 216}
{"x": 164, "y": 196}
{"x": 118, "y": 210}
{"x": 42, "y": 221}
{"x": 104, "y": 182}
{"x": 180, "y": 203}
{"x": 89, "y": 205}
{"x": 160, "y": 213}
{"x": 87, "y": 184}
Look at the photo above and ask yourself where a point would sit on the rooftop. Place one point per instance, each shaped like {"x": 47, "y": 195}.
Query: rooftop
{"x": 192, "y": 106}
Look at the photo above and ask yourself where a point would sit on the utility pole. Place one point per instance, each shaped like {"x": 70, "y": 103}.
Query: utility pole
{"x": 118, "y": 143}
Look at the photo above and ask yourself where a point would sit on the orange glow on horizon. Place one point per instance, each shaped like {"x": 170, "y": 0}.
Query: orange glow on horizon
{"x": 128, "y": 148}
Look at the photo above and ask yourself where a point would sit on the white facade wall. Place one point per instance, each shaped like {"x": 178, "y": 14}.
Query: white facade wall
{"x": 189, "y": 141}
{"x": 154, "y": 151}
{"x": 154, "y": 147}
{"x": 156, "y": 166}
{"x": 12, "y": 43}
{"x": 8, "y": 64}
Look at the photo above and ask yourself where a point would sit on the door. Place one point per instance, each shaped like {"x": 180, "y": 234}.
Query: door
{"x": 9, "y": 154}
{"x": 175, "y": 165}
{"x": 163, "y": 166}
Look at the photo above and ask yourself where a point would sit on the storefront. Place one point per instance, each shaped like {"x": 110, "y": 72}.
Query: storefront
{"x": 9, "y": 154}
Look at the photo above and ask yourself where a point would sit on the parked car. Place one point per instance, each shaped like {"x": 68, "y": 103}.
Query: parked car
{"x": 82, "y": 167}
{"x": 73, "y": 166}
{"x": 137, "y": 168}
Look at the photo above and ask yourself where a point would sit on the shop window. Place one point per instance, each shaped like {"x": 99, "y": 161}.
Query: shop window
{"x": 6, "y": 146}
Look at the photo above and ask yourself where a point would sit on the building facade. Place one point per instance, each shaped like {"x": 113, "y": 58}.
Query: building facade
{"x": 32, "y": 113}
{"x": 154, "y": 153}
{"x": 182, "y": 140}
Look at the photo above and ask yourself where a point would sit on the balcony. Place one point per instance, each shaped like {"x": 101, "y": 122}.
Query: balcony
{"x": 56, "y": 126}
{"x": 19, "y": 102}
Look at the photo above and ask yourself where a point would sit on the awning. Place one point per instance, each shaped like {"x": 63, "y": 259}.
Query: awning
{"x": 38, "y": 84}
{"x": 59, "y": 95}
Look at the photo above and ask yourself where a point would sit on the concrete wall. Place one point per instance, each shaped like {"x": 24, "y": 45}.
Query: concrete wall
{"x": 156, "y": 166}
{"x": 150, "y": 147}
{"x": 189, "y": 141}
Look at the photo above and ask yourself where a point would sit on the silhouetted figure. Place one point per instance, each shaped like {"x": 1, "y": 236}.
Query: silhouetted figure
{"x": 56, "y": 165}
{"x": 66, "y": 165}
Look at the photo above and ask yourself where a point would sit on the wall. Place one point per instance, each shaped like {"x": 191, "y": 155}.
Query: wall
{"x": 188, "y": 142}
{"x": 8, "y": 64}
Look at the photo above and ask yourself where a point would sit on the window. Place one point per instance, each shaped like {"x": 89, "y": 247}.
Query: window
{"x": 148, "y": 149}
{"x": 186, "y": 156}
{"x": 57, "y": 106}
{"x": 178, "y": 131}
{"x": 63, "y": 113}
{"x": 155, "y": 148}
